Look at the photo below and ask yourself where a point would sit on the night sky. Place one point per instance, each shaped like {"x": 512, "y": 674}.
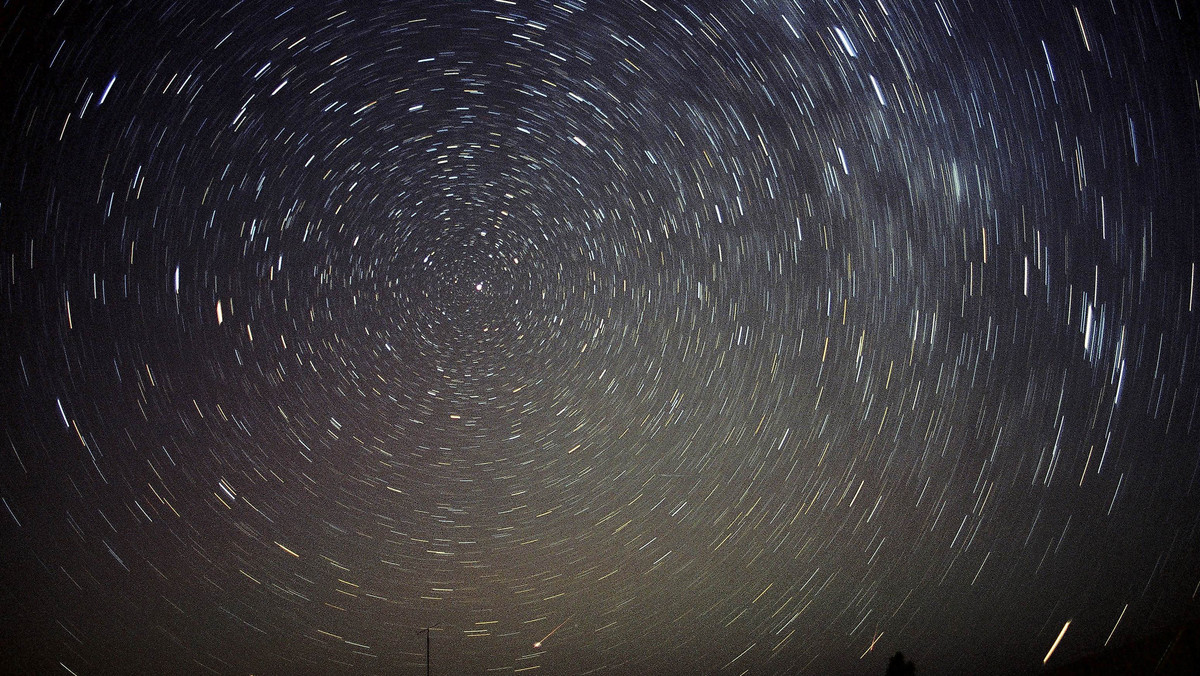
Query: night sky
{"x": 614, "y": 337}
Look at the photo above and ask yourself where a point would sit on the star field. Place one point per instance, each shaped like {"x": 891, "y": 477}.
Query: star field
{"x": 609, "y": 337}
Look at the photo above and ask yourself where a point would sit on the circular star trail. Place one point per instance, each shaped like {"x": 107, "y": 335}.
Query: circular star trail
{"x": 628, "y": 337}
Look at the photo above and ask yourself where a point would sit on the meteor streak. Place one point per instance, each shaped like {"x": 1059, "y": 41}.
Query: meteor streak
{"x": 1056, "y": 641}
{"x": 539, "y": 643}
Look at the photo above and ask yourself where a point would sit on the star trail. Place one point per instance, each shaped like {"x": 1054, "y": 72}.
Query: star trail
{"x": 605, "y": 337}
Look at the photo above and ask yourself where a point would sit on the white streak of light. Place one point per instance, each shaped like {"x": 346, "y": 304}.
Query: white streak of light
{"x": 1056, "y": 642}
{"x": 107, "y": 88}
{"x": 1114, "y": 629}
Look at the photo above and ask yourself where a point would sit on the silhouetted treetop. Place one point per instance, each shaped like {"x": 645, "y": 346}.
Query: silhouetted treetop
{"x": 898, "y": 666}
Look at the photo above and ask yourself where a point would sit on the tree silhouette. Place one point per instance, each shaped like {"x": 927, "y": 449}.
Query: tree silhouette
{"x": 898, "y": 666}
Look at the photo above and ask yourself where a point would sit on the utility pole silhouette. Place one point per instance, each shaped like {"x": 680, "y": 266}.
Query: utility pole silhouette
{"x": 427, "y": 631}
